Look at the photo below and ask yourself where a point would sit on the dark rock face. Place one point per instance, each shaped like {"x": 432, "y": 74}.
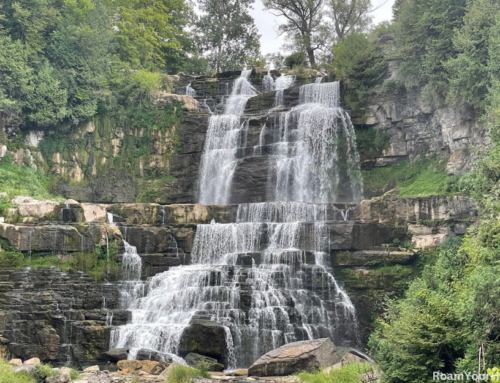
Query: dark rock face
{"x": 54, "y": 316}
{"x": 206, "y": 338}
{"x": 195, "y": 360}
{"x": 116, "y": 354}
{"x": 309, "y": 356}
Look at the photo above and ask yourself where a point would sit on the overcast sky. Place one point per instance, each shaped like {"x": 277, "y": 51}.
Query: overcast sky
{"x": 268, "y": 24}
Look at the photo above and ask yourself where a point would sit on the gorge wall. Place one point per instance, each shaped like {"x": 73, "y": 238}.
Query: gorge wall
{"x": 109, "y": 171}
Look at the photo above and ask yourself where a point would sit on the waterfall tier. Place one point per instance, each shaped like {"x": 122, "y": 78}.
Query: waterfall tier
{"x": 265, "y": 278}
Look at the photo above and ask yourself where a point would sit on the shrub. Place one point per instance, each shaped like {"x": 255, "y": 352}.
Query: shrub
{"x": 41, "y": 372}
{"x": 295, "y": 60}
{"x": 347, "y": 374}
{"x": 11, "y": 259}
{"x": 74, "y": 374}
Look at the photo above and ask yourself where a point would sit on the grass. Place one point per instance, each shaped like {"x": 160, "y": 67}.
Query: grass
{"x": 346, "y": 374}
{"x": 421, "y": 178}
{"x": 185, "y": 374}
{"x": 7, "y": 374}
{"x": 19, "y": 180}
{"x": 74, "y": 374}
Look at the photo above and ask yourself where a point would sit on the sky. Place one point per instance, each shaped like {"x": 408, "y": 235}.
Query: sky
{"x": 268, "y": 24}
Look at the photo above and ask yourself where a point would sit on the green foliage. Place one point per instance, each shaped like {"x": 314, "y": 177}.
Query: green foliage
{"x": 359, "y": 64}
{"x": 424, "y": 31}
{"x": 446, "y": 314}
{"x": 469, "y": 70}
{"x": 41, "y": 372}
{"x": 185, "y": 374}
{"x": 346, "y": 374}
{"x": 227, "y": 33}
{"x": 421, "y": 178}
{"x": 296, "y": 60}
{"x": 371, "y": 142}
{"x": 17, "y": 180}
{"x": 11, "y": 260}
{"x": 7, "y": 374}
{"x": 148, "y": 31}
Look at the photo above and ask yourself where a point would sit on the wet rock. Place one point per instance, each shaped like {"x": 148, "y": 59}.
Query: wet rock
{"x": 211, "y": 364}
{"x": 146, "y": 354}
{"x": 309, "y": 356}
{"x": 116, "y": 354}
{"x": 204, "y": 337}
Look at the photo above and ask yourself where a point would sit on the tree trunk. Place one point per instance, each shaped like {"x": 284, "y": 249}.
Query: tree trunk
{"x": 310, "y": 54}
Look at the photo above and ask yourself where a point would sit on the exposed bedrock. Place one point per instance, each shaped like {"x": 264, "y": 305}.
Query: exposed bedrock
{"x": 55, "y": 316}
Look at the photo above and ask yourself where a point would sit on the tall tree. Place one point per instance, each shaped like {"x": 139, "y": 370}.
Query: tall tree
{"x": 350, "y": 15}
{"x": 147, "y": 29}
{"x": 228, "y": 33}
{"x": 424, "y": 33}
{"x": 304, "y": 21}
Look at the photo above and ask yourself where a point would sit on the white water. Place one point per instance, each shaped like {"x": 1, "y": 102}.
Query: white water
{"x": 279, "y": 85}
{"x": 221, "y": 146}
{"x": 111, "y": 221}
{"x": 266, "y": 277}
{"x": 307, "y": 152}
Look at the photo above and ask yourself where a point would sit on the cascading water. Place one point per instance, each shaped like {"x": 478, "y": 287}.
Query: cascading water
{"x": 266, "y": 277}
{"x": 221, "y": 146}
{"x": 311, "y": 137}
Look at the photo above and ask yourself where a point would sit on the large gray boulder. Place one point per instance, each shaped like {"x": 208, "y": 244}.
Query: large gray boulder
{"x": 309, "y": 356}
{"x": 206, "y": 338}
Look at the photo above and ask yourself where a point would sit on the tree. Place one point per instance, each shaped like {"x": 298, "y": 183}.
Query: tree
{"x": 469, "y": 70}
{"x": 423, "y": 33}
{"x": 350, "y": 15}
{"x": 304, "y": 21}
{"x": 147, "y": 29}
{"x": 81, "y": 52}
{"x": 228, "y": 33}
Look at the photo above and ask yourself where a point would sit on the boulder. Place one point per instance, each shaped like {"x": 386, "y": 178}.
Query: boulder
{"x": 204, "y": 337}
{"x": 309, "y": 356}
{"x": 195, "y": 360}
{"x": 32, "y": 361}
{"x": 16, "y": 362}
{"x": 116, "y": 354}
{"x": 132, "y": 366}
{"x": 62, "y": 378}
{"x": 241, "y": 372}
{"x": 92, "y": 369}
{"x": 25, "y": 367}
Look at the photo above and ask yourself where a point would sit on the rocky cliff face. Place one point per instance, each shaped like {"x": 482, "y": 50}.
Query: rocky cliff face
{"x": 417, "y": 126}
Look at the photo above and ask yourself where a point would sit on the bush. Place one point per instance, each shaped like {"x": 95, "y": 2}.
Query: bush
{"x": 346, "y": 374}
{"x": 41, "y": 372}
{"x": 295, "y": 60}
{"x": 11, "y": 260}
{"x": 7, "y": 375}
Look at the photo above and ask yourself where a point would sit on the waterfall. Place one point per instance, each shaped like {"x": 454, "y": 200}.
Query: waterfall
{"x": 222, "y": 142}
{"x": 265, "y": 278}
{"x": 111, "y": 221}
{"x": 190, "y": 91}
{"x": 307, "y": 153}
{"x": 279, "y": 85}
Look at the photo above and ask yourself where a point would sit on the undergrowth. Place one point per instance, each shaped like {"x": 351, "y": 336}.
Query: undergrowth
{"x": 421, "y": 178}
{"x": 20, "y": 180}
{"x": 347, "y": 374}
